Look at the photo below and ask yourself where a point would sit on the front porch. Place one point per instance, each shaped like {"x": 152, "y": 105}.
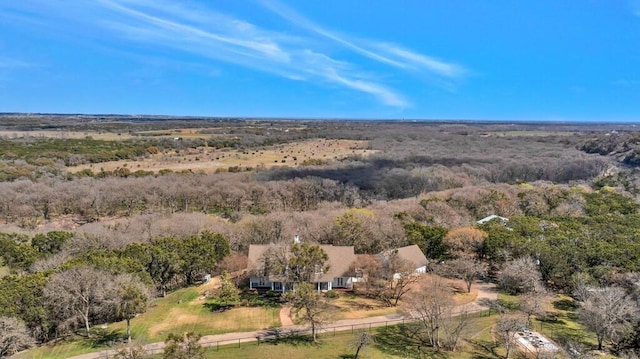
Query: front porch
{"x": 263, "y": 284}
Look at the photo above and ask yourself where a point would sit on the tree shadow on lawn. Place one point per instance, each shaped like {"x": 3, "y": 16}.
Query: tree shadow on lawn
{"x": 483, "y": 349}
{"x": 276, "y": 336}
{"x": 268, "y": 299}
{"x": 559, "y": 330}
{"x": 217, "y": 307}
{"x": 265, "y": 300}
{"x": 104, "y": 338}
{"x": 566, "y": 304}
{"x": 398, "y": 340}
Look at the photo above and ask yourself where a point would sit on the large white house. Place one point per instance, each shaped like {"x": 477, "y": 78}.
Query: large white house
{"x": 341, "y": 273}
{"x": 265, "y": 277}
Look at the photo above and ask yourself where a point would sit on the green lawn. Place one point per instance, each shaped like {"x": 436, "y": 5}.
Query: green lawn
{"x": 183, "y": 311}
{"x": 179, "y": 312}
{"x": 390, "y": 342}
{"x": 564, "y": 326}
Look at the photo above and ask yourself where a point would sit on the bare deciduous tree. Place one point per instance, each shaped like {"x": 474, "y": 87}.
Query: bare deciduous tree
{"x": 14, "y": 336}
{"x": 609, "y": 312}
{"x": 466, "y": 269}
{"x": 76, "y": 293}
{"x": 234, "y": 264}
{"x": 438, "y": 323}
{"x": 362, "y": 340}
{"x": 394, "y": 278}
{"x": 366, "y": 267}
{"x": 520, "y": 275}
{"x": 507, "y": 327}
{"x": 532, "y": 303}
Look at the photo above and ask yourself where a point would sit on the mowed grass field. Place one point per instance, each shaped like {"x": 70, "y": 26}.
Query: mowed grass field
{"x": 389, "y": 342}
{"x": 185, "y": 311}
{"x": 208, "y": 159}
{"x": 180, "y": 311}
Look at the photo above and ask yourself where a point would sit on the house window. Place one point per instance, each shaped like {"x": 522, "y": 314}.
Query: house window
{"x": 261, "y": 281}
{"x": 340, "y": 282}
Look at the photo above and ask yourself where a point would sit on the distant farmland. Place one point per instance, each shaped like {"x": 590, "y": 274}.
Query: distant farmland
{"x": 208, "y": 159}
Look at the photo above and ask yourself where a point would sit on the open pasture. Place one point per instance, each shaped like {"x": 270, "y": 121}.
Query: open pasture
{"x": 208, "y": 159}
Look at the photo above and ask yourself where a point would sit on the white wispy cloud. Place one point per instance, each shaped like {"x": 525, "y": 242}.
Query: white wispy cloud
{"x": 383, "y": 52}
{"x": 333, "y": 71}
{"x": 195, "y": 28}
{"x": 303, "y": 22}
{"x": 221, "y": 37}
{"x": 250, "y": 43}
{"x": 419, "y": 61}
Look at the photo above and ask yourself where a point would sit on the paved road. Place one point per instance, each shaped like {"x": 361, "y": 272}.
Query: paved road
{"x": 486, "y": 294}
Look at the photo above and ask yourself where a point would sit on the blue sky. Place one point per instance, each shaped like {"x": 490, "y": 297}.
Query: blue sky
{"x": 571, "y": 60}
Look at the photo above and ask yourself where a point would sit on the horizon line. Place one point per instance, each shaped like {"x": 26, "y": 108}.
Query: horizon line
{"x": 313, "y": 118}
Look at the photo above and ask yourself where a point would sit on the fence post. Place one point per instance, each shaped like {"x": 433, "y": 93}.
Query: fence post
{"x": 217, "y": 345}
{"x": 238, "y": 342}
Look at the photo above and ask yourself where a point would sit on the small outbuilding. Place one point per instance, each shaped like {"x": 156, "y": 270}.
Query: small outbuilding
{"x": 504, "y": 220}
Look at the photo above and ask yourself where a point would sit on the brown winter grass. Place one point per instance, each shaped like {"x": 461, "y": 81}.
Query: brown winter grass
{"x": 457, "y": 286}
{"x": 353, "y": 306}
{"x": 207, "y": 159}
{"x": 477, "y": 342}
{"x": 185, "y": 310}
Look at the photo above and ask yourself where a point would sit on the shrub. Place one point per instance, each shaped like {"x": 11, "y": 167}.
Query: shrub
{"x": 332, "y": 294}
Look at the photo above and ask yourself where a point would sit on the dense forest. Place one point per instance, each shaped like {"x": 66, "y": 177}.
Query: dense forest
{"x": 569, "y": 192}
